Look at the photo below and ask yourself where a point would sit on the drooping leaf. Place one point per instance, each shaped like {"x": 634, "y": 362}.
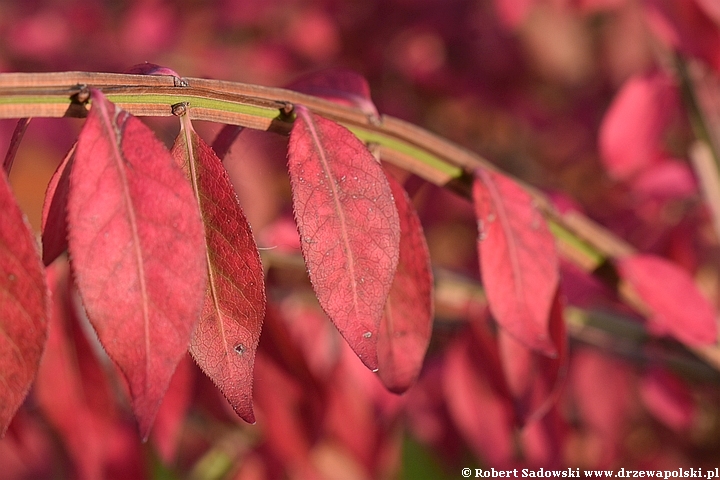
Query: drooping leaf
{"x": 71, "y": 389}
{"x": 311, "y": 333}
{"x": 544, "y": 441}
{"x": 226, "y": 338}
{"x": 169, "y": 421}
{"x": 406, "y": 324}
{"x": 518, "y": 260}
{"x": 24, "y": 305}
{"x": 15, "y": 140}
{"x": 348, "y": 225}
{"x": 59, "y": 392}
{"x": 482, "y": 417}
{"x": 283, "y": 399}
{"x": 137, "y": 250}
{"x": 676, "y": 305}
{"x": 54, "y": 213}
{"x": 690, "y": 27}
{"x": 668, "y": 398}
{"x": 602, "y": 409}
{"x": 633, "y": 126}
{"x": 534, "y": 380}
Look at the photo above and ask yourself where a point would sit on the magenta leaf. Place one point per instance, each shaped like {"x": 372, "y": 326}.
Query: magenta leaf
{"x": 633, "y": 126}
{"x": 534, "y": 380}
{"x": 137, "y": 250}
{"x": 54, "y": 212}
{"x": 226, "y": 338}
{"x": 669, "y": 399}
{"x": 675, "y": 303}
{"x": 71, "y": 389}
{"x": 24, "y": 305}
{"x": 171, "y": 416}
{"x": 517, "y": 258}
{"x": 480, "y": 414}
{"x": 406, "y": 324}
{"x": 348, "y": 225}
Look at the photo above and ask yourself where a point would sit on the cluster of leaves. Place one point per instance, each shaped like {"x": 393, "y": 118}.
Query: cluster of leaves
{"x": 162, "y": 258}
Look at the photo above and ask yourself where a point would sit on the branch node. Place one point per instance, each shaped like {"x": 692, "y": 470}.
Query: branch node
{"x": 82, "y": 94}
{"x": 180, "y": 109}
{"x": 287, "y": 110}
{"x": 180, "y": 82}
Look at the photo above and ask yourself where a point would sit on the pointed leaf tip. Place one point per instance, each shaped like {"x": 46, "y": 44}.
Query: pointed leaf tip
{"x": 227, "y": 336}
{"x": 518, "y": 259}
{"x": 406, "y": 324}
{"x": 676, "y": 304}
{"x": 136, "y": 243}
{"x": 348, "y": 225}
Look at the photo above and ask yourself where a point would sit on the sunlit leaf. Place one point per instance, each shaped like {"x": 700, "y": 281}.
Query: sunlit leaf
{"x": 406, "y": 324}
{"x": 518, "y": 260}
{"x": 348, "y": 225}
{"x": 137, "y": 250}
{"x": 226, "y": 338}
{"x": 676, "y": 305}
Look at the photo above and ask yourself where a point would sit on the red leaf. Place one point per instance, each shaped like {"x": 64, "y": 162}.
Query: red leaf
{"x": 689, "y": 26}
{"x": 348, "y": 225}
{"x": 54, "y": 213}
{"x": 148, "y": 68}
{"x": 24, "y": 305}
{"x": 137, "y": 250}
{"x": 226, "y": 338}
{"x": 283, "y": 402}
{"x": 675, "y": 302}
{"x": 517, "y": 258}
{"x": 633, "y": 126}
{"x": 668, "y": 398}
{"x": 345, "y": 87}
{"x": 169, "y": 421}
{"x": 535, "y": 380}
{"x": 61, "y": 388}
{"x": 406, "y": 324}
{"x": 480, "y": 415}
{"x": 602, "y": 388}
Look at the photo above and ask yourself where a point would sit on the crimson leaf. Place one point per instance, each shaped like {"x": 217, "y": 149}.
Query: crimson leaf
{"x": 226, "y": 338}
{"x": 348, "y": 225}
{"x": 23, "y": 303}
{"x": 137, "y": 250}
{"x": 54, "y": 212}
{"x": 406, "y": 324}
{"x": 676, "y": 304}
{"x": 518, "y": 259}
